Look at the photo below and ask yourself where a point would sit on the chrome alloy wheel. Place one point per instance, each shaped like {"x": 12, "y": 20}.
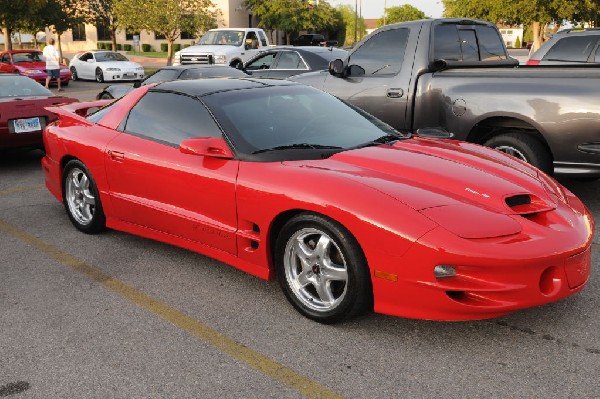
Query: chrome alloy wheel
{"x": 79, "y": 196}
{"x": 512, "y": 151}
{"x": 315, "y": 269}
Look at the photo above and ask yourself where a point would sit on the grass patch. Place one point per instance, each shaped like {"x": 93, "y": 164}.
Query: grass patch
{"x": 150, "y": 71}
{"x": 150, "y": 54}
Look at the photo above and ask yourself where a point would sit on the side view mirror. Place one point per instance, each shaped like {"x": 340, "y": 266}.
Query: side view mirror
{"x": 356, "y": 70}
{"x": 435, "y": 132}
{"x": 137, "y": 83}
{"x": 213, "y": 147}
{"x": 247, "y": 46}
{"x": 336, "y": 68}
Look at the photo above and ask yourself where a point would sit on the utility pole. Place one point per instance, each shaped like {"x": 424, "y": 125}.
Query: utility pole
{"x": 384, "y": 11}
{"x": 355, "y": 21}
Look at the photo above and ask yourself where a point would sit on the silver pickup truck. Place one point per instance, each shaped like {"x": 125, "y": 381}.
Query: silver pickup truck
{"x": 456, "y": 74}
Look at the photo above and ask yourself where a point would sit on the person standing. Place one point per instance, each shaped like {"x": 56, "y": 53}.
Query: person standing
{"x": 52, "y": 63}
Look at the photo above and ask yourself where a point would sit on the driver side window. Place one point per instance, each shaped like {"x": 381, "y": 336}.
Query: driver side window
{"x": 263, "y": 62}
{"x": 382, "y": 54}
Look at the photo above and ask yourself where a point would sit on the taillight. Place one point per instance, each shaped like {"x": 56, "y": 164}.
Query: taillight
{"x": 533, "y": 62}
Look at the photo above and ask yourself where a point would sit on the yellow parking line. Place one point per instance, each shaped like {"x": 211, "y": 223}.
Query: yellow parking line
{"x": 262, "y": 363}
{"x": 21, "y": 189}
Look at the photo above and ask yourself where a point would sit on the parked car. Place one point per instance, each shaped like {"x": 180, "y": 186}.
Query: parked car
{"x": 309, "y": 39}
{"x": 169, "y": 73}
{"x": 283, "y": 62}
{"x": 22, "y": 112}
{"x": 569, "y": 46}
{"x": 30, "y": 63}
{"x": 456, "y": 74}
{"x": 104, "y": 66}
{"x": 280, "y": 179}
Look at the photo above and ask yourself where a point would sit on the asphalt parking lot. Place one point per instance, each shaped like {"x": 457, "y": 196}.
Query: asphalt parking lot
{"x": 118, "y": 316}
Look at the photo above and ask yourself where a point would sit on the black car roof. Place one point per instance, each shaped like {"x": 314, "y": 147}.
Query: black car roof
{"x": 203, "y": 87}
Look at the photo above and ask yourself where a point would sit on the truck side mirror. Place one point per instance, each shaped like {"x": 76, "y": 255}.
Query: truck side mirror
{"x": 336, "y": 68}
{"x": 356, "y": 70}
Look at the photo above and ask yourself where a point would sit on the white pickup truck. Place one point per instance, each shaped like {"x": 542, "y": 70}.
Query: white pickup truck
{"x": 230, "y": 46}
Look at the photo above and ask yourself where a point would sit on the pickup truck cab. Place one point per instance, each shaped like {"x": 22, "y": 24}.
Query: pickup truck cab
{"x": 229, "y": 46}
{"x": 456, "y": 74}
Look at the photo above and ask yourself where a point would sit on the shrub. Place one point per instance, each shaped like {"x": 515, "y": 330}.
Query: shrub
{"x": 185, "y": 45}
{"x": 518, "y": 42}
{"x": 100, "y": 45}
{"x": 164, "y": 47}
{"x": 146, "y": 48}
{"x": 127, "y": 47}
{"x": 119, "y": 47}
{"x": 176, "y": 47}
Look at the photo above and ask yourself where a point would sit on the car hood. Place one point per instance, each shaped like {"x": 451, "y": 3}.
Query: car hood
{"x": 31, "y": 65}
{"x": 208, "y": 48}
{"x": 426, "y": 174}
{"x": 118, "y": 64}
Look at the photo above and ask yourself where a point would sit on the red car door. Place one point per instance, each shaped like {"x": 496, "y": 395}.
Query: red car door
{"x": 153, "y": 184}
{"x": 6, "y": 64}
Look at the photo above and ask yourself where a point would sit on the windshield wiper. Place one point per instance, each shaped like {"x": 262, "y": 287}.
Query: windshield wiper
{"x": 299, "y": 146}
{"x": 387, "y": 139}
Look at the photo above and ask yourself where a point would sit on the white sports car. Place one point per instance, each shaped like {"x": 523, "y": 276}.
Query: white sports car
{"x": 104, "y": 66}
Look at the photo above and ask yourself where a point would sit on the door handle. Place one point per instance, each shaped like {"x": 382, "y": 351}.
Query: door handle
{"x": 395, "y": 92}
{"x": 116, "y": 155}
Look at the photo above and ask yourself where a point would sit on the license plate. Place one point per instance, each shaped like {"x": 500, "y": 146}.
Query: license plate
{"x": 27, "y": 125}
{"x": 129, "y": 74}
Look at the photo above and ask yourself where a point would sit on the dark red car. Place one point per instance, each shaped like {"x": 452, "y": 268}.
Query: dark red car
{"x": 30, "y": 63}
{"x": 22, "y": 113}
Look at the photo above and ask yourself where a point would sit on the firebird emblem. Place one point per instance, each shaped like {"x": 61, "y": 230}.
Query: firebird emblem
{"x": 476, "y": 192}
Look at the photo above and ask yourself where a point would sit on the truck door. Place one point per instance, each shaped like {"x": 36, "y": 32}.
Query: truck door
{"x": 379, "y": 77}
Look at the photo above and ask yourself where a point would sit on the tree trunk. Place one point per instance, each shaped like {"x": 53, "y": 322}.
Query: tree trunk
{"x": 170, "y": 41}
{"x": 7, "y": 41}
{"x": 287, "y": 38}
{"x": 59, "y": 46}
{"x": 113, "y": 38}
{"x": 536, "y": 29}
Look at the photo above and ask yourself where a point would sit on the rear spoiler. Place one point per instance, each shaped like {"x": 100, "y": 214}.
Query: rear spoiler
{"x": 76, "y": 112}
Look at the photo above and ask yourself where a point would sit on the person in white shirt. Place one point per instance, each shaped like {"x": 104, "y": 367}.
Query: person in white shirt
{"x": 52, "y": 63}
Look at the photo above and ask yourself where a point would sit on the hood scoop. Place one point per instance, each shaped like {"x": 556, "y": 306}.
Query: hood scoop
{"x": 526, "y": 204}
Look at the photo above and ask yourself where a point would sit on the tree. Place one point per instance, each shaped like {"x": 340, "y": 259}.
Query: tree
{"x": 348, "y": 21}
{"x": 167, "y": 17}
{"x": 13, "y": 13}
{"x": 401, "y": 14}
{"x": 61, "y": 15}
{"x": 517, "y": 42}
{"x": 100, "y": 12}
{"x": 533, "y": 14}
{"x": 292, "y": 16}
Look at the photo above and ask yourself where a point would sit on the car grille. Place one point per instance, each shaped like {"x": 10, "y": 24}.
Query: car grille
{"x": 196, "y": 58}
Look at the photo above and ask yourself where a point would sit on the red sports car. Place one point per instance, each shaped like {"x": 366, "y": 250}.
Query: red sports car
{"x": 30, "y": 63}
{"x": 22, "y": 112}
{"x": 280, "y": 179}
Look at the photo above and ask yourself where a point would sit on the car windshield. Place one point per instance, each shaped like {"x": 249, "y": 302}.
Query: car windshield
{"x": 281, "y": 118}
{"x": 104, "y": 57}
{"x": 226, "y": 38}
{"x": 34, "y": 56}
{"x": 21, "y": 86}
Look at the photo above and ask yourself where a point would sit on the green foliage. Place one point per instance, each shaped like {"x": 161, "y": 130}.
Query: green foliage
{"x": 164, "y": 46}
{"x": 127, "y": 47}
{"x": 176, "y": 47}
{"x": 146, "y": 48}
{"x": 293, "y": 16}
{"x": 518, "y": 42}
{"x": 348, "y": 23}
{"x": 401, "y": 14}
{"x": 119, "y": 47}
{"x": 185, "y": 46}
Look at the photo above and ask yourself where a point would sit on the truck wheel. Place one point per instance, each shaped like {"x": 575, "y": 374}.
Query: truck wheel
{"x": 524, "y": 147}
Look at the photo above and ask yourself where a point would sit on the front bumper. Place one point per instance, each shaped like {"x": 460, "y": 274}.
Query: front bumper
{"x": 123, "y": 75}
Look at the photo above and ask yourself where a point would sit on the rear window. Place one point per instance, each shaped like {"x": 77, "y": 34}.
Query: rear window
{"x": 21, "y": 86}
{"x": 574, "y": 49}
{"x": 467, "y": 43}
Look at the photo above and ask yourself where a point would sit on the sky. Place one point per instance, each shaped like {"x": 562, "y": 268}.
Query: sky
{"x": 372, "y": 9}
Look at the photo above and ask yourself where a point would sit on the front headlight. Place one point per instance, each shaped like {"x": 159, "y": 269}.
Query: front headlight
{"x": 139, "y": 68}
{"x": 113, "y": 69}
{"x": 220, "y": 59}
{"x": 32, "y": 71}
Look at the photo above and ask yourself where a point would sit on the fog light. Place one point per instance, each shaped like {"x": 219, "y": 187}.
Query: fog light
{"x": 444, "y": 271}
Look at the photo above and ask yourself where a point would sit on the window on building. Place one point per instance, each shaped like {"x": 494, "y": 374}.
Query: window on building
{"x": 130, "y": 33}
{"x": 78, "y": 33}
{"x": 159, "y": 36}
{"x": 187, "y": 35}
{"x": 102, "y": 31}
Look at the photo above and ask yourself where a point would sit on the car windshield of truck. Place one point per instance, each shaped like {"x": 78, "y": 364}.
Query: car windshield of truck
{"x": 224, "y": 38}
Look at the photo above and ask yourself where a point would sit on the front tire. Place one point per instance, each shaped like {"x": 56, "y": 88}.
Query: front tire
{"x": 321, "y": 269}
{"x": 106, "y": 96}
{"x": 99, "y": 75}
{"x": 525, "y": 147}
{"x": 74, "y": 74}
{"x": 81, "y": 199}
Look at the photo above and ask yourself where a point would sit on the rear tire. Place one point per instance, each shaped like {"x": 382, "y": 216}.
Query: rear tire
{"x": 106, "y": 96}
{"x": 525, "y": 147}
{"x": 81, "y": 198}
{"x": 99, "y": 75}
